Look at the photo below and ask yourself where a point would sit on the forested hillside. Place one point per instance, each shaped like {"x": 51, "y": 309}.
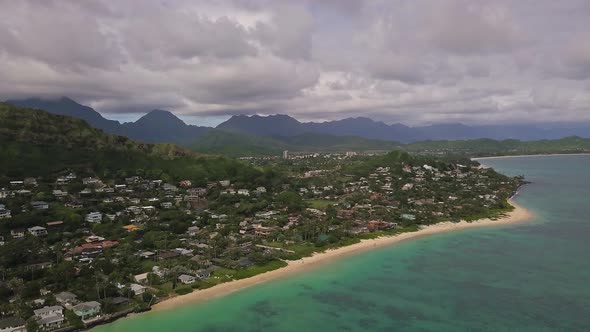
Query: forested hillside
{"x": 35, "y": 143}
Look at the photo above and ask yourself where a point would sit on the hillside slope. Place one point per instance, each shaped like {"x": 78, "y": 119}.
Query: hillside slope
{"x": 35, "y": 143}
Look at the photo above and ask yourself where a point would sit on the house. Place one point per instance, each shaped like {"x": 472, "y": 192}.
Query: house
{"x": 146, "y": 254}
{"x": 244, "y": 192}
{"x": 159, "y": 271}
{"x": 192, "y": 231}
{"x": 406, "y": 216}
{"x": 91, "y": 181}
{"x": 130, "y": 228}
{"x": 185, "y": 183}
{"x": 12, "y": 324}
{"x": 54, "y": 224}
{"x": 119, "y": 300}
{"x": 87, "y": 310}
{"x": 141, "y": 278}
{"x": 183, "y": 251}
{"x": 67, "y": 299}
{"x": 169, "y": 187}
{"x": 166, "y": 205}
{"x": 74, "y": 205}
{"x": 167, "y": 255}
{"x": 30, "y": 182}
{"x": 18, "y": 233}
{"x": 59, "y": 193}
{"x": 187, "y": 279}
{"x": 260, "y": 190}
{"x": 224, "y": 183}
{"x": 37, "y": 231}
{"x": 86, "y": 191}
{"x": 49, "y": 317}
{"x": 137, "y": 289}
{"x": 4, "y": 213}
{"x": 204, "y": 273}
{"x": 40, "y": 205}
{"x": 94, "y": 217}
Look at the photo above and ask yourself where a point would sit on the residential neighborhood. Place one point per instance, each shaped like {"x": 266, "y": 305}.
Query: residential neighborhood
{"x": 82, "y": 248}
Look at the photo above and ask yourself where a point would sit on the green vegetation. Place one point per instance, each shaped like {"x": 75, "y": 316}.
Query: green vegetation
{"x": 319, "y": 203}
{"x": 237, "y": 144}
{"x": 489, "y": 147}
{"x": 36, "y": 143}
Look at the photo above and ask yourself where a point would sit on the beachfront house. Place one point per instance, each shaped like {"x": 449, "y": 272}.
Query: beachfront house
{"x": 187, "y": 279}
{"x": 49, "y": 317}
{"x": 87, "y": 310}
{"x": 137, "y": 289}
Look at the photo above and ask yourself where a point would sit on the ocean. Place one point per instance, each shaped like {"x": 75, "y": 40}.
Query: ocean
{"x": 531, "y": 276}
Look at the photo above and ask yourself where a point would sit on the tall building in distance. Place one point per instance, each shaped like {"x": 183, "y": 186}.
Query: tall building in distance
{"x": 286, "y": 154}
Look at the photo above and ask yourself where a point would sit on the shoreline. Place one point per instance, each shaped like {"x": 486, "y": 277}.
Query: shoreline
{"x": 519, "y": 214}
{"x": 530, "y": 155}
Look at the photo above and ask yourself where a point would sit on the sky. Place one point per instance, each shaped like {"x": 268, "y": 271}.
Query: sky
{"x": 416, "y": 62}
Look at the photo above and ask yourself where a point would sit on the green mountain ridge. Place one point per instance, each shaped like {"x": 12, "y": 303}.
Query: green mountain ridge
{"x": 34, "y": 143}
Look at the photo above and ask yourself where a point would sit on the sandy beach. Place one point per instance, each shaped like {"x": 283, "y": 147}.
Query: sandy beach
{"x": 519, "y": 214}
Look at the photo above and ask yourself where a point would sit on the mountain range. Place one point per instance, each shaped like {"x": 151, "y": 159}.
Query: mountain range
{"x": 156, "y": 126}
{"x": 163, "y": 126}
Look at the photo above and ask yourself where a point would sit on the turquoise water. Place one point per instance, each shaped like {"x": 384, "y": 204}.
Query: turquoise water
{"x": 532, "y": 276}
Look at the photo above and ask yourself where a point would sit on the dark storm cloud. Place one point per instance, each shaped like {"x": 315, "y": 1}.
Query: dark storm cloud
{"x": 412, "y": 61}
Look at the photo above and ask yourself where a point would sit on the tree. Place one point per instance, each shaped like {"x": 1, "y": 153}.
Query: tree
{"x": 291, "y": 200}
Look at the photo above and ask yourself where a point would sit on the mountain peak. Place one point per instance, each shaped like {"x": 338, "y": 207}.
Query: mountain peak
{"x": 159, "y": 117}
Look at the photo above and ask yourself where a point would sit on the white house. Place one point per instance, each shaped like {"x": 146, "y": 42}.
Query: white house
{"x": 94, "y": 217}
{"x": 40, "y": 205}
{"x": 37, "y": 231}
{"x": 50, "y": 317}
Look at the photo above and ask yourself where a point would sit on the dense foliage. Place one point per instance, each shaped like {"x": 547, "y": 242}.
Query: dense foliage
{"x": 35, "y": 143}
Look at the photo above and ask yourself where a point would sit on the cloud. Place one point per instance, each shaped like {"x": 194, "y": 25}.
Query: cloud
{"x": 412, "y": 61}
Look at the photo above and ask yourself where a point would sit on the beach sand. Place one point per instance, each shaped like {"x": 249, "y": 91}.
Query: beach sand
{"x": 519, "y": 214}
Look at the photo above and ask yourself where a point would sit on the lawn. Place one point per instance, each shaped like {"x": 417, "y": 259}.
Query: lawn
{"x": 319, "y": 203}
